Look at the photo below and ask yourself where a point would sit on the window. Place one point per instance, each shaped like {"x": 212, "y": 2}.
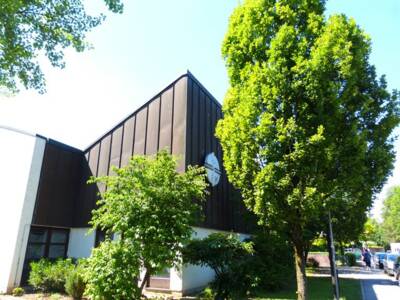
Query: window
{"x": 44, "y": 242}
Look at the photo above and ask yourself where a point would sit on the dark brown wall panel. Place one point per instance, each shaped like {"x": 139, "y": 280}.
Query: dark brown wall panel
{"x": 153, "y": 123}
{"x": 115, "y": 155}
{"x": 94, "y": 159}
{"x": 166, "y": 119}
{"x": 196, "y": 159}
{"x": 127, "y": 141}
{"x": 179, "y": 122}
{"x": 104, "y": 156}
{"x": 223, "y": 208}
{"x": 59, "y": 185}
{"x": 183, "y": 119}
{"x": 140, "y": 132}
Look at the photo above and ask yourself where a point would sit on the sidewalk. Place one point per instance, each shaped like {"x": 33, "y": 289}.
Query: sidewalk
{"x": 375, "y": 285}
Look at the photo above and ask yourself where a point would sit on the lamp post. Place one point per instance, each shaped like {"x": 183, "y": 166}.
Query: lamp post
{"x": 332, "y": 259}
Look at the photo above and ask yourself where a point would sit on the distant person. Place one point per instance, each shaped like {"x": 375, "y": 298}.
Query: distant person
{"x": 367, "y": 259}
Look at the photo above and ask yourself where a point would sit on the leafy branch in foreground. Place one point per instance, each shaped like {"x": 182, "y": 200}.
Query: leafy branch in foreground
{"x": 30, "y": 28}
{"x": 151, "y": 207}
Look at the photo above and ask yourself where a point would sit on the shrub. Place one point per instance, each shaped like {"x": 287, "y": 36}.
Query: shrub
{"x": 75, "y": 284}
{"x": 112, "y": 271}
{"x": 226, "y": 255}
{"x": 312, "y": 262}
{"x": 350, "y": 259}
{"x": 18, "y": 292}
{"x": 47, "y": 276}
{"x": 273, "y": 261}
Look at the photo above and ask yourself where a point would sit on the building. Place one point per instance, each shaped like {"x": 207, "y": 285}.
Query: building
{"x": 45, "y": 203}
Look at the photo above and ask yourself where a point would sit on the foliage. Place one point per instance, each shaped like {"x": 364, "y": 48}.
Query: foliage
{"x": 350, "y": 259}
{"x": 18, "y": 292}
{"x": 48, "y": 276}
{"x": 228, "y": 257}
{"x": 112, "y": 271}
{"x": 312, "y": 262}
{"x": 319, "y": 245}
{"x": 75, "y": 284}
{"x": 372, "y": 232}
{"x": 272, "y": 261}
{"x": 391, "y": 216}
{"x": 307, "y": 125}
{"x": 32, "y": 28}
{"x": 152, "y": 207}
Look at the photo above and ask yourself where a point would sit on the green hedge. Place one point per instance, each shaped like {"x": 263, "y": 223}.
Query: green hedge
{"x": 47, "y": 276}
{"x": 350, "y": 259}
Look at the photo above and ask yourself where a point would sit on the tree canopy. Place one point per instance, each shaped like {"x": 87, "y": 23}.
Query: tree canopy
{"x": 307, "y": 124}
{"x": 391, "y": 216}
{"x": 29, "y": 28}
{"x": 151, "y": 207}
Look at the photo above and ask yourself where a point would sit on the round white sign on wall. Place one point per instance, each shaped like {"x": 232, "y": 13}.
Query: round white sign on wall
{"x": 212, "y": 167}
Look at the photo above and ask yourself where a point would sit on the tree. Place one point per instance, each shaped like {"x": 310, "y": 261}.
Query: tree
{"x": 306, "y": 122}
{"x": 372, "y": 232}
{"x": 151, "y": 207}
{"x": 391, "y": 216}
{"x": 29, "y": 28}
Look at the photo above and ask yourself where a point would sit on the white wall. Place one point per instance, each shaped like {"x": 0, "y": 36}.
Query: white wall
{"x": 195, "y": 277}
{"x": 21, "y": 156}
{"x": 80, "y": 242}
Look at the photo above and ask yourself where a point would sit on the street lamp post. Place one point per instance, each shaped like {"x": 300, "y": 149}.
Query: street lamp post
{"x": 332, "y": 259}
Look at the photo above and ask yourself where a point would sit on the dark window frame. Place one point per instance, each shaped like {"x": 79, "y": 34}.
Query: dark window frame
{"x": 48, "y": 243}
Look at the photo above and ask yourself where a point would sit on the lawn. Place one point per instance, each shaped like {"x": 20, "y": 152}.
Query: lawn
{"x": 320, "y": 288}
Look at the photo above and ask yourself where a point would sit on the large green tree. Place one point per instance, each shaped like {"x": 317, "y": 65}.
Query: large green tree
{"x": 391, "y": 216}
{"x": 306, "y": 124}
{"x": 151, "y": 207}
{"x": 29, "y": 28}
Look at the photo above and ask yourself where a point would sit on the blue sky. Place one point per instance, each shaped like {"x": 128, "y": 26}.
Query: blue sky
{"x": 138, "y": 53}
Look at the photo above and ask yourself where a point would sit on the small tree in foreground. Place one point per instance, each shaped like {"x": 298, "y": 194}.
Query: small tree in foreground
{"x": 151, "y": 207}
{"x": 307, "y": 125}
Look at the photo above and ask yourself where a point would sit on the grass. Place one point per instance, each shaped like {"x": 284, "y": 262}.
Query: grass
{"x": 319, "y": 288}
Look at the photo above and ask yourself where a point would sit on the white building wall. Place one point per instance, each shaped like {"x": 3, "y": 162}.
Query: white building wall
{"x": 80, "y": 242}
{"x": 196, "y": 277}
{"x": 21, "y": 156}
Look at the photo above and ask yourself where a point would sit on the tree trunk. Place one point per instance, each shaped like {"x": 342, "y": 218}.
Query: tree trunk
{"x": 145, "y": 280}
{"x": 300, "y": 263}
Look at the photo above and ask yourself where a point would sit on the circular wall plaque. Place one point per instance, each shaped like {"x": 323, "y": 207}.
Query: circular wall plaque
{"x": 212, "y": 167}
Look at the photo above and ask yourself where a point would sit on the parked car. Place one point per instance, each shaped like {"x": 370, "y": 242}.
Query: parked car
{"x": 391, "y": 264}
{"x": 378, "y": 259}
{"x": 397, "y": 270}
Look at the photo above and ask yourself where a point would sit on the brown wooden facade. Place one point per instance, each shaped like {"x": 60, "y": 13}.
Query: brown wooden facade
{"x": 181, "y": 118}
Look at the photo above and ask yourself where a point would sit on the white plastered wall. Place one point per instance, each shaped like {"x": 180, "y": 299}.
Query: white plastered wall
{"x": 80, "y": 242}
{"x": 191, "y": 277}
{"x": 21, "y": 157}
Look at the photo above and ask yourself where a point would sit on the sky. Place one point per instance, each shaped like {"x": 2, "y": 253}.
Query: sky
{"x": 138, "y": 53}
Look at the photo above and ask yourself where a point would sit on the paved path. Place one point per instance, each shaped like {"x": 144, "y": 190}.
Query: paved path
{"x": 375, "y": 285}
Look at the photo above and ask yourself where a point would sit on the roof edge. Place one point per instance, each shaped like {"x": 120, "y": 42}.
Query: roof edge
{"x": 136, "y": 111}
{"x": 20, "y": 131}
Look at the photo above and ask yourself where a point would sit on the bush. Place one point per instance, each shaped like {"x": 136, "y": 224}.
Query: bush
{"x": 112, "y": 271}
{"x": 273, "y": 261}
{"x": 47, "y": 276}
{"x": 18, "y": 292}
{"x": 350, "y": 259}
{"x": 312, "y": 262}
{"x": 75, "y": 283}
{"x": 264, "y": 262}
{"x": 228, "y": 257}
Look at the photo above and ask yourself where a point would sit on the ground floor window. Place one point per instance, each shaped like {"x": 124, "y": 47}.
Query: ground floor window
{"x": 45, "y": 242}
{"x": 160, "y": 280}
